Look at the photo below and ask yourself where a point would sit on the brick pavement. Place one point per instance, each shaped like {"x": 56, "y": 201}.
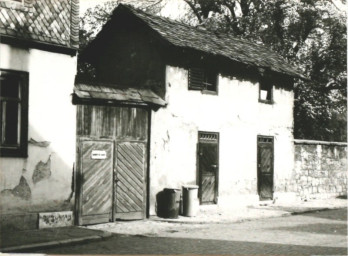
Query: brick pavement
{"x": 122, "y": 244}
{"x": 329, "y": 227}
{"x": 307, "y": 234}
{"x": 24, "y": 240}
{"x": 307, "y": 230}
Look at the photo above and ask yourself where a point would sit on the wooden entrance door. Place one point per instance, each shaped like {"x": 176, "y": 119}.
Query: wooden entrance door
{"x": 208, "y": 152}
{"x": 130, "y": 197}
{"x": 96, "y": 178}
{"x": 265, "y": 167}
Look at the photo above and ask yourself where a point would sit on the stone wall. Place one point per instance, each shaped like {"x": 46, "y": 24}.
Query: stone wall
{"x": 320, "y": 169}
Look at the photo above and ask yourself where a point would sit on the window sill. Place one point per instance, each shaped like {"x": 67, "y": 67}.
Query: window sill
{"x": 204, "y": 91}
{"x": 209, "y": 92}
{"x": 270, "y": 102}
{"x": 13, "y": 153}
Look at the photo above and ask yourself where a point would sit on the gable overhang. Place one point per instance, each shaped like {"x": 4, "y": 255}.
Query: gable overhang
{"x": 279, "y": 66}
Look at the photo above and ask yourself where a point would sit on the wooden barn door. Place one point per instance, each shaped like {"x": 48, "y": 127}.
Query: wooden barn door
{"x": 96, "y": 181}
{"x": 265, "y": 167}
{"x": 208, "y": 165}
{"x": 130, "y": 197}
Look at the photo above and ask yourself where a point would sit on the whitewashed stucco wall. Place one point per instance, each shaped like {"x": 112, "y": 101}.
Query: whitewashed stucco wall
{"x": 52, "y": 118}
{"x": 238, "y": 116}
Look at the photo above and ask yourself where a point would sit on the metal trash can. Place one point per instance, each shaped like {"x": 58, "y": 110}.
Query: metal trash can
{"x": 168, "y": 203}
{"x": 190, "y": 200}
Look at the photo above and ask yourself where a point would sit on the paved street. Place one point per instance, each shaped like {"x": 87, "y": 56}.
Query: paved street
{"x": 323, "y": 233}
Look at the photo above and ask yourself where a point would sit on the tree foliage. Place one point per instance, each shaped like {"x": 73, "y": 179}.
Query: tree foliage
{"x": 311, "y": 34}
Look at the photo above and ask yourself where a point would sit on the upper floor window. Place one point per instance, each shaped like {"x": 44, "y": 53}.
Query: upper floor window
{"x": 265, "y": 91}
{"x": 203, "y": 80}
{"x": 13, "y": 113}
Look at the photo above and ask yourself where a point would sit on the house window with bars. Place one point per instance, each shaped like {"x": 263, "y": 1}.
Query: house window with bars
{"x": 13, "y": 113}
{"x": 202, "y": 80}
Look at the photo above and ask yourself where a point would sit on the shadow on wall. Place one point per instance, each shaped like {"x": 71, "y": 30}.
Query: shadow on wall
{"x": 43, "y": 182}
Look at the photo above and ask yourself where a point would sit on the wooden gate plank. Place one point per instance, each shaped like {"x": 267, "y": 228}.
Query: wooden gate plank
{"x": 130, "y": 160}
{"x": 124, "y": 168}
{"x": 97, "y": 182}
{"x": 130, "y": 189}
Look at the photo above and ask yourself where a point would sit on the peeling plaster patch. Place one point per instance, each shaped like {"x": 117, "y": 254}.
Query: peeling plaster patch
{"x": 22, "y": 190}
{"x": 42, "y": 171}
{"x": 166, "y": 141}
{"x": 43, "y": 144}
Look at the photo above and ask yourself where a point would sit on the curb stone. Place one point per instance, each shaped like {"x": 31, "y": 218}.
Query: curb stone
{"x": 284, "y": 214}
{"x": 313, "y": 210}
{"x": 50, "y": 244}
{"x": 220, "y": 222}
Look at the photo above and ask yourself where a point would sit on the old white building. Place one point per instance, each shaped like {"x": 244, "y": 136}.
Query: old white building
{"x": 227, "y": 125}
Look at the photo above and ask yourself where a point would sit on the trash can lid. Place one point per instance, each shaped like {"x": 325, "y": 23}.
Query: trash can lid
{"x": 190, "y": 187}
{"x": 171, "y": 189}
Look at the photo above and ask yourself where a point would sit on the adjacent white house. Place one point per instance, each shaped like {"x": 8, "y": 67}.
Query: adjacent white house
{"x": 39, "y": 42}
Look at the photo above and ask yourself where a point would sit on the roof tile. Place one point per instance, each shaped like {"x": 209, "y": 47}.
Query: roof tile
{"x": 44, "y": 20}
{"x": 226, "y": 45}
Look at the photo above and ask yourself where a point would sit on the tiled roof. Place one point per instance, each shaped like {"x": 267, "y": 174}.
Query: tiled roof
{"x": 48, "y": 21}
{"x": 226, "y": 45}
{"x": 111, "y": 92}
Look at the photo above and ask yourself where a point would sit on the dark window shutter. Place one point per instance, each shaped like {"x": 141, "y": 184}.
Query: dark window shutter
{"x": 196, "y": 79}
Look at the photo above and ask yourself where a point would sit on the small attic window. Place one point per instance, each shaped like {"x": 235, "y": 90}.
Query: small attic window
{"x": 266, "y": 91}
{"x": 202, "y": 80}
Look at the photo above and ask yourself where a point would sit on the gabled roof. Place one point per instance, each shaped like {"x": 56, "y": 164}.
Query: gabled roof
{"x": 54, "y": 22}
{"x": 226, "y": 45}
{"x": 114, "y": 93}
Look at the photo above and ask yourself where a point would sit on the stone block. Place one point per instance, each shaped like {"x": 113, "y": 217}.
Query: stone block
{"x": 303, "y": 180}
{"x": 315, "y": 190}
{"x": 332, "y": 189}
{"x": 335, "y": 182}
{"x": 56, "y": 219}
{"x": 326, "y": 182}
{"x": 315, "y": 182}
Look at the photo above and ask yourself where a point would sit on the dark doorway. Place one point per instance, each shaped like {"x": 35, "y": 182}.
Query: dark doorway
{"x": 208, "y": 167}
{"x": 265, "y": 167}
